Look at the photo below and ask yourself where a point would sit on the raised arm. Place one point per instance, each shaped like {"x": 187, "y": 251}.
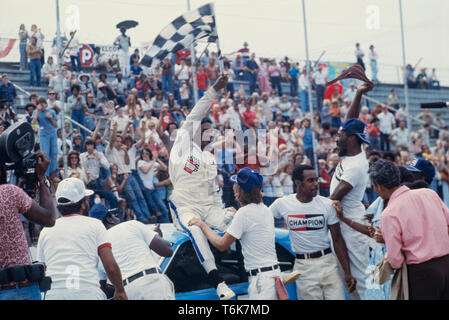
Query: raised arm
{"x": 354, "y": 109}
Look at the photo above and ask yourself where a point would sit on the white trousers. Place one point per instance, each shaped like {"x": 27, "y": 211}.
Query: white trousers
{"x": 214, "y": 216}
{"x": 262, "y": 286}
{"x": 151, "y": 287}
{"x": 319, "y": 279}
{"x": 75, "y": 294}
{"x": 358, "y": 253}
{"x": 124, "y": 63}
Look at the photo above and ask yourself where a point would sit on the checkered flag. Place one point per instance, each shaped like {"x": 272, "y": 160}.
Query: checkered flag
{"x": 181, "y": 33}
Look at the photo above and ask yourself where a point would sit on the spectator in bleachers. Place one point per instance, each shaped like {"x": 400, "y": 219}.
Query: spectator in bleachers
{"x": 319, "y": 79}
{"x": 438, "y": 122}
{"x": 36, "y": 32}
{"x": 134, "y": 73}
{"x": 135, "y": 56}
{"x": 373, "y": 56}
{"x": 374, "y": 133}
{"x": 400, "y": 135}
{"x": 304, "y": 87}
{"x": 410, "y": 76}
{"x": 8, "y": 92}
{"x": 393, "y": 100}
{"x": 424, "y": 134}
{"x": 23, "y": 37}
{"x": 386, "y": 125}
{"x": 359, "y": 54}
{"x": 275, "y": 77}
{"x": 76, "y": 104}
{"x": 74, "y": 47}
{"x": 426, "y": 117}
{"x": 350, "y": 92}
{"x": 434, "y": 83}
{"x": 204, "y": 59}
{"x": 34, "y": 53}
{"x": 263, "y": 76}
{"x": 49, "y": 70}
{"x": 102, "y": 60}
{"x": 48, "y": 124}
{"x": 422, "y": 82}
{"x": 212, "y": 71}
{"x": 252, "y": 69}
{"x": 167, "y": 77}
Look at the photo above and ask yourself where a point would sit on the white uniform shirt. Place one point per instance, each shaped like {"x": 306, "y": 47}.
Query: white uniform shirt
{"x": 131, "y": 248}
{"x": 193, "y": 171}
{"x": 253, "y": 225}
{"x": 353, "y": 170}
{"x": 70, "y": 251}
{"x": 307, "y": 222}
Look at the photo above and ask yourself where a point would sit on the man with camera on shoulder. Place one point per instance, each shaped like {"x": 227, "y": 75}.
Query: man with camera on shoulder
{"x": 19, "y": 278}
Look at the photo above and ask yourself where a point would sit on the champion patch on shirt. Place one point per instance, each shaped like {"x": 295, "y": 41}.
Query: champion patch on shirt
{"x": 192, "y": 164}
{"x": 305, "y": 222}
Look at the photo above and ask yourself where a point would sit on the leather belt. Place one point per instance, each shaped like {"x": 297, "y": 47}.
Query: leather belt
{"x": 140, "y": 275}
{"x": 312, "y": 255}
{"x": 254, "y": 272}
{"x": 16, "y": 285}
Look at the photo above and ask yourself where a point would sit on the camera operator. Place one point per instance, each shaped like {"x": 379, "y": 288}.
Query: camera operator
{"x": 14, "y": 256}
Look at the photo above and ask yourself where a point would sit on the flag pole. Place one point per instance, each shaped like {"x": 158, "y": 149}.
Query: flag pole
{"x": 193, "y": 62}
{"x": 409, "y": 124}
{"x": 61, "y": 89}
{"x": 217, "y": 42}
{"x": 312, "y": 120}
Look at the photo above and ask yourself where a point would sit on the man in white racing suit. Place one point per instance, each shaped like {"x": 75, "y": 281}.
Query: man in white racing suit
{"x": 193, "y": 173}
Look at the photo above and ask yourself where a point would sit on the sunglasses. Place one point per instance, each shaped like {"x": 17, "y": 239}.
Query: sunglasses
{"x": 51, "y": 93}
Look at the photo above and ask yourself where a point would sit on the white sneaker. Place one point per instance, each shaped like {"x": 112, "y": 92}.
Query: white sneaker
{"x": 288, "y": 278}
{"x": 223, "y": 291}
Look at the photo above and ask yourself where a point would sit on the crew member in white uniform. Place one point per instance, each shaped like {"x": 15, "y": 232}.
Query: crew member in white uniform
{"x": 73, "y": 248}
{"x": 132, "y": 242}
{"x": 253, "y": 225}
{"x": 348, "y": 186}
{"x": 309, "y": 218}
{"x": 193, "y": 173}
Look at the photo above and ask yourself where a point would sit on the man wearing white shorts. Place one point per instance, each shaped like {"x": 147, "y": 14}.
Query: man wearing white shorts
{"x": 193, "y": 173}
{"x": 309, "y": 218}
{"x": 253, "y": 225}
{"x": 132, "y": 242}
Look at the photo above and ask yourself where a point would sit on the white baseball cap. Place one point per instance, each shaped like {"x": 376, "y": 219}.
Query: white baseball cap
{"x": 72, "y": 189}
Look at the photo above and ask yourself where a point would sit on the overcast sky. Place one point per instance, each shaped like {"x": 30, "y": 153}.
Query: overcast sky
{"x": 273, "y": 28}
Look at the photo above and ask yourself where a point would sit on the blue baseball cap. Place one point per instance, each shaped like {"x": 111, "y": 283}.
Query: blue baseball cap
{"x": 356, "y": 127}
{"x": 98, "y": 211}
{"x": 424, "y": 166}
{"x": 248, "y": 179}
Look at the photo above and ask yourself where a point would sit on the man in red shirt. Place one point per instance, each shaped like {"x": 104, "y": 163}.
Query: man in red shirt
{"x": 13, "y": 245}
{"x": 202, "y": 80}
{"x": 248, "y": 116}
{"x": 165, "y": 116}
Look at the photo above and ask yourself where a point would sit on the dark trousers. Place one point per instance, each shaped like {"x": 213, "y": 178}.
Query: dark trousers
{"x": 294, "y": 87}
{"x": 429, "y": 280}
{"x": 276, "y": 83}
{"x": 384, "y": 142}
{"x": 320, "y": 96}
